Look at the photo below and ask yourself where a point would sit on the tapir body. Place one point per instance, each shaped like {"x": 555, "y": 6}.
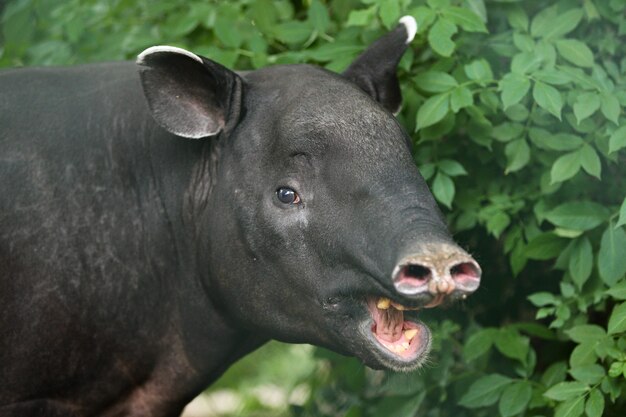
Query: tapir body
{"x": 159, "y": 221}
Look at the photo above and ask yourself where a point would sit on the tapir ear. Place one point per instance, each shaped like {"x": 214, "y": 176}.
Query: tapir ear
{"x": 189, "y": 95}
{"x": 375, "y": 69}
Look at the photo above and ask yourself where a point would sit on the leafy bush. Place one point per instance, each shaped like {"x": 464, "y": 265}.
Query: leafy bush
{"x": 517, "y": 112}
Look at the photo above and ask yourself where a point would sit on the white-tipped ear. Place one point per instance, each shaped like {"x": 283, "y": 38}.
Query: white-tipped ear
{"x": 411, "y": 27}
{"x": 164, "y": 48}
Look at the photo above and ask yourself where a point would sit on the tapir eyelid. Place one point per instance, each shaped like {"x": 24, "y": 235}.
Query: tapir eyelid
{"x": 287, "y": 195}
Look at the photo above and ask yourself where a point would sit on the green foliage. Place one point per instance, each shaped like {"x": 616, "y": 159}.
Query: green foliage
{"x": 516, "y": 109}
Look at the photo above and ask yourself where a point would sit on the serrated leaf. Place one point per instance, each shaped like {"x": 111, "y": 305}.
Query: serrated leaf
{"x": 478, "y": 344}
{"x": 571, "y": 408}
{"x": 513, "y": 87}
{"x": 362, "y": 17}
{"x": 440, "y": 37}
{"x": 617, "y": 321}
{"x": 443, "y": 189}
{"x": 590, "y": 161}
{"x": 595, "y": 404}
{"x": 478, "y": 70}
{"x": 512, "y": 344}
{"x": 517, "y": 155}
{"x": 389, "y": 13}
{"x": 565, "y": 167}
{"x": 581, "y": 261}
{"x": 618, "y": 291}
{"x": 318, "y": 15}
{"x": 622, "y": 214}
{"x": 588, "y": 374}
{"x": 451, "y": 167}
{"x": 541, "y": 299}
{"x": 545, "y": 246}
{"x": 575, "y": 52}
{"x": 586, "y": 105}
{"x": 484, "y": 391}
{"x": 610, "y": 107}
{"x": 435, "y": 82}
{"x": 465, "y": 18}
{"x": 577, "y": 215}
{"x": 548, "y": 98}
{"x": 433, "y": 110}
{"x": 460, "y": 98}
{"x": 566, "y": 390}
{"x": 584, "y": 333}
{"x": 611, "y": 257}
{"x": 547, "y": 24}
{"x": 617, "y": 140}
{"x": 515, "y": 398}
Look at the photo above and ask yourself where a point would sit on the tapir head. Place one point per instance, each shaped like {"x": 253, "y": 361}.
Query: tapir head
{"x": 318, "y": 227}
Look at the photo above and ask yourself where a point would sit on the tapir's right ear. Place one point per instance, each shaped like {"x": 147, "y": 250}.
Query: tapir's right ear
{"x": 188, "y": 95}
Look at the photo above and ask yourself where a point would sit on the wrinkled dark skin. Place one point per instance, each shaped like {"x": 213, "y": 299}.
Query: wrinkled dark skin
{"x": 136, "y": 266}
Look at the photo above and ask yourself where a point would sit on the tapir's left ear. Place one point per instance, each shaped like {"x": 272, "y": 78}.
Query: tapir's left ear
{"x": 189, "y": 95}
{"x": 375, "y": 69}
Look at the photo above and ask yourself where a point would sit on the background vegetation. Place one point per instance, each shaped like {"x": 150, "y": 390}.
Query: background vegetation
{"x": 517, "y": 112}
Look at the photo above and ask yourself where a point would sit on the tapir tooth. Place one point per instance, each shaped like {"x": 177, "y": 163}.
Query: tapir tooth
{"x": 383, "y": 303}
{"x": 398, "y": 306}
{"x": 410, "y": 334}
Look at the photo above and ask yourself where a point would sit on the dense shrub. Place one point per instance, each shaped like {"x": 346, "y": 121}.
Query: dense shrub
{"x": 517, "y": 112}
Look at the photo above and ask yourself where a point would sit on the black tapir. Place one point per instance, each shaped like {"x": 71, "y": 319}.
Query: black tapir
{"x": 159, "y": 220}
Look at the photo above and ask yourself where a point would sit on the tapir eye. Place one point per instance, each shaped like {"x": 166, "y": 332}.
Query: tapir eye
{"x": 287, "y": 195}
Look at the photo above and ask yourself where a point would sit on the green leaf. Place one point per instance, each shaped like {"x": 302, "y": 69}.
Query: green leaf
{"x": 617, "y": 321}
{"x": 318, "y": 16}
{"x": 541, "y": 299}
{"x": 515, "y": 398}
{"x": 610, "y": 107}
{"x": 478, "y": 344}
{"x": 517, "y": 154}
{"x": 618, "y": 291}
{"x": 478, "y": 70}
{"x": 595, "y": 404}
{"x": 548, "y": 24}
{"x": 575, "y": 52}
{"x": 525, "y": 63}
{"x": 583, "y": 354}
{"x": 581, "y": 261}
{"x": 512, "y": 345}
{"x": 571, "y": 408}
{"x": 622, "y": 214}
{"x": 460, "y": 98}
{"x": 586, "y": 333}
{"x": 465, "y": 18}
{"x": 484, "y": 391}
{"x": 513, "y": 87}
{"x": 497, "y": 223}
{"x": 389, "y": 13}
{"x": 548, "y": 98}
{"x": 586, "y": 105}
{"x": 294, "y": 32}
{"x": 440, "y": 37}
{"x": 588, "y": 374}
{"x": 443, "y": 189}
{"x": 545, "y": 246}
{"x": 611, "y": 259}
{"x": 565, "y": 167}
{"x": 451, "y": 168}
{"x": 577, "y": 215}
{"x": 552, "y": 76}
{"x": 433, "y": 110}
{"x": 590, "y": 161}
{"x": 555, "y": 373}
{"x": 435, "y": 82}
{"x": 617, "y": 140}
{"x": 566, "y": 390}
{"x": 362, "y": 17}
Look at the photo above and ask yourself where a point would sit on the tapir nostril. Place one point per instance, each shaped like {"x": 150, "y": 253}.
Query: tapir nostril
{"x": 412, "y": 278}
{"x": 466, "y": 275}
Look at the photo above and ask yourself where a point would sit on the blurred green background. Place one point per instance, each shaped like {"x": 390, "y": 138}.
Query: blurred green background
{"x": 516, "y": 109}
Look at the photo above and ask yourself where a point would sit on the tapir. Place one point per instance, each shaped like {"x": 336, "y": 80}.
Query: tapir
{"x": 162, "y": 218}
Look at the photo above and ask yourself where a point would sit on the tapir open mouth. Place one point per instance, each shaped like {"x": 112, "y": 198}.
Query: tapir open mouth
{"x": 401, "y": 342}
